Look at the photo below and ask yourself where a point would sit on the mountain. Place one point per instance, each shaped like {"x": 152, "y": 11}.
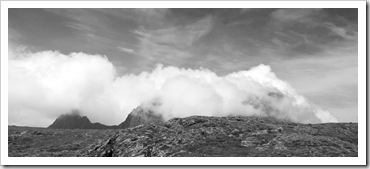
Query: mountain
{"x": 74, "y": 120}
{"x": 140, "y": 116}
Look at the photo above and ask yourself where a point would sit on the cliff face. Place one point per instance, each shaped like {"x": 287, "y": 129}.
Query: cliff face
{"x": 199, "y": 136}
{"x": 140, "y": 116}
{"x": 75, "y": 121}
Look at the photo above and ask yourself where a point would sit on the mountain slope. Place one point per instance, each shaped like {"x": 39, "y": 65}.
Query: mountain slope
{"x": 192, "y": 136}
{"x": 230, "y": 136}
{"x": 140, "y": 116}
{"x": 75, "y": 121}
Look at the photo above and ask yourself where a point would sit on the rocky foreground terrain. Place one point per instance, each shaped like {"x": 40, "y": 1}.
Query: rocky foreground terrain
{"x": 195, "y": 136}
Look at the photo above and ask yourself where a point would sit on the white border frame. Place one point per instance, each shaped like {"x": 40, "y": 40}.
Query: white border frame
{"x": 360, "y": 160}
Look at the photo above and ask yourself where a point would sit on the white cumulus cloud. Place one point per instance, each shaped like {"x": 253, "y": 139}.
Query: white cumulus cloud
{"x": 45, "y": 84}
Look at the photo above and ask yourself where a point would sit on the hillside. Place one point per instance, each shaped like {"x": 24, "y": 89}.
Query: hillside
{"x": 197, "y": 136}
{"x": 31, "y": 142}
{"x": 230, "y": 136}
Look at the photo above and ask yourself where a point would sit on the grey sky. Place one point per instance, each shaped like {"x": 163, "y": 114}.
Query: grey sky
{"x": 315, "y": 50}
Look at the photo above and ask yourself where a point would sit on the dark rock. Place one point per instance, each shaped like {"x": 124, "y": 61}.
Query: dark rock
{"x": 140, "y": 116}
{"x": 249, "y": 142}
{"x": 236, "y": 132}
{"x": 279, "y": 129}
{"x": 74, "y": 120}
{"x": 241, "y": 136}
{"x": 194, "y": 136}
{"x": 107, "y": 153}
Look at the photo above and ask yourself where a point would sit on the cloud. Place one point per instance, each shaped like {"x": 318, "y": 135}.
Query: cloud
{"x": 177, "y": 36}
{"x": 151, "y": 15}
{"x": 57, "y": 83}
{"x": 49, "y": 83}
{"x": 294, "y": 14}
{"x": 317, "y": 27}
{"x": 172, "y": 44}
{"x": 127, "y": 50}
{"x": 79, "y": 27}
{"x": 14, "y": 35}
{"x": 329, "y": 79}
{"x": 279, "y": 43}
{"x": 82, "y": 21}
{"x": 96, "y": 27}
{"x": 341, "y": 31}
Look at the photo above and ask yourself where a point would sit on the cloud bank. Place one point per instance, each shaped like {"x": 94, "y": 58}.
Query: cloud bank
{"x": 45, "y": 84}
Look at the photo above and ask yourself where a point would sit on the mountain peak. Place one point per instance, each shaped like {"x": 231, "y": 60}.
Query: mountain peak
{"x": 140, "y": 116}
{"x": 74, "y": 120}
{"x": 74, "y": 114}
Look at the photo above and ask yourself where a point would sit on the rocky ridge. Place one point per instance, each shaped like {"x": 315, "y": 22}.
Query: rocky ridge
{"x": 199, "y": 136}
{"x": 140, "y": 116}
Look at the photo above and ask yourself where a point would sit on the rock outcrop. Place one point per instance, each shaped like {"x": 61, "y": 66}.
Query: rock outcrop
{"x": 140, "y": 116}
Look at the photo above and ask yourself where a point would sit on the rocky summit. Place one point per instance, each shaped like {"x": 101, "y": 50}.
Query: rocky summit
{"x": 140, "y": 116}
{"x": 199, "y": 136}
{"x": 74, "y": 120}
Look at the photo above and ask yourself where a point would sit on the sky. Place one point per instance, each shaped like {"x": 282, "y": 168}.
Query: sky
{"x": 313, "y": 50}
